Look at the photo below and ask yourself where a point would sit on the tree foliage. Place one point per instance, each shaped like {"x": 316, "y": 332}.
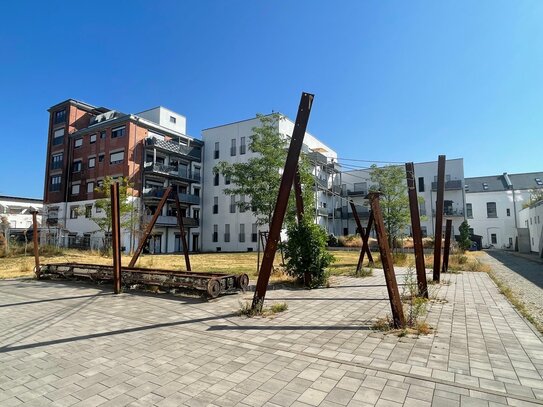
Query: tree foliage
{"x": 390, "y": 181}
{"x": 306, "y": 251}
{"x": 258, "y": 178}
{"x": 536, "y": 195}
{"x": 464, "y": 241}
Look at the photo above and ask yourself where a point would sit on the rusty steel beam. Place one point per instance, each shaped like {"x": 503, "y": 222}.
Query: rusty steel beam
{"x": 364, "y": 235}
{"x": 416, "y": 230}
{"x": 439, "y": 217}
{"x": 398, "y": 317}
{"x": 35, "y": 241}
{"x": 116, "y": 236}
{"x": 447, "y": 247}
{"x": 182, "y": 231}
{"x": 287, "y": 180}
{"x": 149, "y": 227}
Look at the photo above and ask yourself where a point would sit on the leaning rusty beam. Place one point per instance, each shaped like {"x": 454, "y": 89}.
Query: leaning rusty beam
{"x": 416, "y": 230}
{"x": 287, "y": 179}
{"x": 150, "y": 226}
{"x": 364, "y": 235}
{"x": 300, "y": 213}
{"x": 35, "y": 241}
{"x": 182, "y": 231}
{"x": 398, "y": 317}
{"x": 439, "y": 216}
{"x": 116, "y": 236}
{"x": 447, "y": 247}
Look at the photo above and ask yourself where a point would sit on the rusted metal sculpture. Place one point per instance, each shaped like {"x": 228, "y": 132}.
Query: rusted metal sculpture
{"x": 182, "y": 231}
{"x": 287, "y": 180}
{"x": 35, "y": 241}
{"x": 364, "y": 235}
{"x": 398, "y": 318}
{"x": 416, "y": 230}
{"x": 447, "y": 247}
{"x": 116, "y": 236}
{"x": 439, "y": 217}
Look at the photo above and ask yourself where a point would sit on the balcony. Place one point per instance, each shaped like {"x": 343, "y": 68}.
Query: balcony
{"x": 346, "y": 213}
{"x": 159, "y": 193}
{"x": 172, "y": 221}
{"x": 454, "y": 185}
{"x": 322, "y": 212}
{"x": 172, "y": 147}
{"x": 323, "y": 183}
{"x": 450, "y": 212}
{"x": 172, "y": 171}
{"x": 357, "y": 192}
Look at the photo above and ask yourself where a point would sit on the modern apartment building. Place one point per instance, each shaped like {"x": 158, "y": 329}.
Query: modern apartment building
{"x": 226, "y": 228}
{"x": 355, "y": 185}
{"x": 493, "y": 204}
{"x": 87, "y": 143}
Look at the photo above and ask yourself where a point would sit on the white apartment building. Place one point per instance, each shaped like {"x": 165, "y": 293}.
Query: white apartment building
{"x": 224, "y": 227}
{"x": 17, "y": 211}
{"x": 493, "y": 204}
{"x": 356, "y": 184}
{"x": 531, "y": 229}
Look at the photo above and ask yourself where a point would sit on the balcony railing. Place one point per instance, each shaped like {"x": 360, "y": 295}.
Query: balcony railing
{"x": 172, "y": 171}
{"x": 159, "y": 193}
{"x": 357, "y": 192}
{"x": 449, "y": 185}
{"x": 322, "y": 212}
{"x": 450, "y": 212}
{"x": 170, "y": 146}
{"x": 172, "y": 221}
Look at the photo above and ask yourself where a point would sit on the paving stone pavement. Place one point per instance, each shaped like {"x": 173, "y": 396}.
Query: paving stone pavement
{"x": 74, "y": 344}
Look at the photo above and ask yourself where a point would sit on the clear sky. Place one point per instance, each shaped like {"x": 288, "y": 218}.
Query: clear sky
{"x": 394, "y": 81}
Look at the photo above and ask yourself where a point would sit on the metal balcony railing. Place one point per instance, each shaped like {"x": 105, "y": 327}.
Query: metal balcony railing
{"x": 172, "y": 147}
{"x": 159, "y": 193}
{"x": 449, "y": 185}
{"x": 172, "y": 171}
{"x": 450, "y": 212}
{"x": 172, "y": 221}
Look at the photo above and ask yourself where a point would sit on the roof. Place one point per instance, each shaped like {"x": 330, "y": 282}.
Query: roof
{"x": 494, "y": 183}
{"x": 20, "y": 199}
{"x": 83, "y": 105}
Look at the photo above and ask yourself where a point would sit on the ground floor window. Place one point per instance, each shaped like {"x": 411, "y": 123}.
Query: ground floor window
{"x": 493, "y": 238}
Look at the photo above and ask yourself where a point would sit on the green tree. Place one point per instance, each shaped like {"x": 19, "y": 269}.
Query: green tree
{"x": 128, "y": 213}
{"x": 258, "y": 178}
{"x": 464, "y": 240}
{"x": 390, "y": 181}
{"x": 305, "y": 251}
{"x": 536, "y": 195}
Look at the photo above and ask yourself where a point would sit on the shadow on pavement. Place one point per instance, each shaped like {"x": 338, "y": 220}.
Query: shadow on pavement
{"x": 530, "y": 270}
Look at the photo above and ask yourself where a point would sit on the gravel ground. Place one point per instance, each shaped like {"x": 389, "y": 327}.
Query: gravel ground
{"x": 523, "y": 275}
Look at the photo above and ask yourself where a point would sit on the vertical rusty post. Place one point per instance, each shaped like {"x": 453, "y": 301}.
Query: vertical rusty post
{"x": 439, "y": 216}
{"x": 416, "y": 230}
{"x": 398, "y": 317}
{"x": 300, "y": 213}
{"x": 287, "y": 179}
{"x": 447, "y": 247}
{"x": 116, "y": 236}
{"x": 150, "y": 226}
{"x": 182, "y": 231}
{"x": 35, "y": 240}
{"x": 364, "y": 235}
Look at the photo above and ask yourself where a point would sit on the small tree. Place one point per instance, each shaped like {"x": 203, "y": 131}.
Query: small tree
{"x": 305, "y": 251}
{"x": 390, "y": 181}
{"x": 536, "y": 195}
{"x": 259, "y": 178}
{"x": 464, "y": 241}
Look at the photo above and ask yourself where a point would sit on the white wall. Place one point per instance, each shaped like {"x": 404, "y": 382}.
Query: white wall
{"x": 22, "y": 218}
{"x": 532, "y": 218}
{"x": 160, "y": 115}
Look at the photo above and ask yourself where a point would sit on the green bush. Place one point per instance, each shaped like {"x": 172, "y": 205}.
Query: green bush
{"x": 464, "y": 242}
{"x": 305, "y": 251}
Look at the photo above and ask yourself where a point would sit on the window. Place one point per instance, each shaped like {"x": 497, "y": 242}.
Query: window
{"x": 485, "y": 186}
{"x": 242, "y": 202}
{"x": 227, "y": 180}
{"x": 215, "y": 237}
{"x": 58, "y": 137}
{"x": 242, "y": 232}
{"x": 92, "y": 162}
{"x": 196, "y": 191}
{"x": 232, "y": 204}
{"x": 216, "y": 152}
{"x": 75, "y": 189}
{"x": 102, "y": 135}
{"x": 173, "y": 120}
{"x": 508, "y": 212}
{"x": 196, "y": 213}
{"x": 56, "y": 161}
{"x": 493, "y": 238}
{"x": 216, "y": 204}
{"x": 424, "y": 231}
{"x": 254, "y": 233}
{"x": 233, "y": 147}
{"x": 491, "y": 210}
{"x": 538, "y": 181}
{"x": 227, "y": 232}
{"x": 76, "y": 166}
{"x": 93, "y": 138}
{"x": 242, "y": 146}
{"x": 55, "y": 183}
{"x": 60, "y": 116}
{"x": 101, "y": 157}
{"x": 196, "y": 173}
{"x": 422, "y": 208}
{"x": 469, "y": 211}
{"x": 74, "y": 211}
{"x": 116, "y": 158}
{"x": 510, "y": 241}
{"x": 421, "y": 184}
{"x": 78, "y": 143}
{"x": 90, "y": 187}
{"x": 216, "y": 179}
{"x": 118, "y": 132}
{"x": 88, "y": 211}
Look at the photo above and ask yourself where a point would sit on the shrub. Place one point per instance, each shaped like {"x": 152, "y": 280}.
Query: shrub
{"x": 305, "y": 251}
{"x": 332, "y": 241}
{"x": 464, "y": 242}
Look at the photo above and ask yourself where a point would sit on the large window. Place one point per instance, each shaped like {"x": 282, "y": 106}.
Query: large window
{"x": 92, "y": 162}
{"x": 78, "y": 143}
{"x": 469, "y": 211}
{"x": 242, "y": 232}
{"x": 116, "y": 158}
{"x": 227, "y": 232}
{"x": 76, "y": 166}
{"x": 118, "y": 132}
{"x": 232, "y": 204}
{"x": 88, "y": 211}
{"x": 421, "y": 184}
{"x": 216, "y": 151}
{"x": 56, "y": 161}
{"x": 216, "y": 179}
{"x": 54, "y": 186}
{"x": 242, "y": 146}
{"x": 491, "y": 210}
{"x": 90, "y": 187}
{"x": 58, "y": 137}
{"x": 233, "y": 147}
{"x": 93, "y": 138}
{"x": 254, "y": 233}
{"x": 60, "y": 116}
{"x": 215, "y": 237}
{"x": 75, "y": 189}
{"x": 215, "y": 204}
{"x": 74, "y": 212}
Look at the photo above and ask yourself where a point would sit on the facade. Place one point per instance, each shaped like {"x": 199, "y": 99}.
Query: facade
{"x": 87, "y": 143}
{"x": 224, "y": 227}
{"x": 493, "y": 204}
{"x": 356, "y": 184}
{"x": 17, "y": 211}
{"x": 531, "y": 228}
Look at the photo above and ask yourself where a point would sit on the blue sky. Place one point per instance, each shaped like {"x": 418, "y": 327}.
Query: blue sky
{"x": 394, "y": 81}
